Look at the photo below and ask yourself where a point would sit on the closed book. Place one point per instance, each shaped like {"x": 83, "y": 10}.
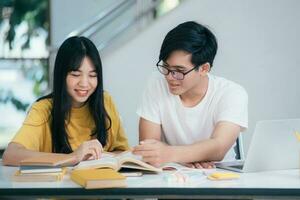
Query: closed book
{"x": 24, "y": 169}
{"x": 98, "y": 178}
{"x": 39, "y": 177}
{"x": 49, "y": 160}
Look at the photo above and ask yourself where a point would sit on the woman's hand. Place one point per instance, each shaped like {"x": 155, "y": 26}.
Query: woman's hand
{"x": 88, "y": 150}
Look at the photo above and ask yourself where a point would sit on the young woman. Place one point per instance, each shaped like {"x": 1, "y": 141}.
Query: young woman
{"x": 77, "y": 118}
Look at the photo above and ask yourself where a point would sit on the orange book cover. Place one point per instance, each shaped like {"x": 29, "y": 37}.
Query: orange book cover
{"x": 49, "y": 160}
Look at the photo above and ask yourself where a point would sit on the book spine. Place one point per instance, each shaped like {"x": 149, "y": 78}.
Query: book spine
{"x": 77, "y": 179}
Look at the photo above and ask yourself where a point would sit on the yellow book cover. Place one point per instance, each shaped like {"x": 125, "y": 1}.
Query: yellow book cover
{"x": 98, "y": 178}
{"x": 118, "y": 161}
{"x": 39, "y": 177}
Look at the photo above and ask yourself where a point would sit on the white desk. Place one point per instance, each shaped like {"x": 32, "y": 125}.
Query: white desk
{"x": 279, "y": 184}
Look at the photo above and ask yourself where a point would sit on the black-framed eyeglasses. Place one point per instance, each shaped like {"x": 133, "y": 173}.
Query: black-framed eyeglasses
{"x": 175, "y": 73}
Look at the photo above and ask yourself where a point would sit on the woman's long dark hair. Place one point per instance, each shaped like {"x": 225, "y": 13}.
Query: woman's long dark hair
{"x": 69, "y": 58}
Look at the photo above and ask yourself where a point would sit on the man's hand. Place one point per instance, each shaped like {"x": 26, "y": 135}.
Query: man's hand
{"x": 154, "y": 152}
{"x": 88, "y": 150}
{"x": 201, "y": 165}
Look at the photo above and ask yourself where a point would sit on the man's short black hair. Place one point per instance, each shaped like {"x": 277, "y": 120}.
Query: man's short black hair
{"x": 193, "y": 38}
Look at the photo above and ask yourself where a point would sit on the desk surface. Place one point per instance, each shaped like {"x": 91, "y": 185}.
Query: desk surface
{"x": 285, "y": 183}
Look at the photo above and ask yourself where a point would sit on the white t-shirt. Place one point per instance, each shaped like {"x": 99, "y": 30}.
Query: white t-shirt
{"x": 224, "y": 101}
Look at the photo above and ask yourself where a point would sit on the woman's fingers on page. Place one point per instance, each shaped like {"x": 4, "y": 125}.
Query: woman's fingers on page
{"x": 96, "y": 151}
{"x": 96, "y": 145}
{"x": 99, "y": 144}
{"x": 88, "y": 154}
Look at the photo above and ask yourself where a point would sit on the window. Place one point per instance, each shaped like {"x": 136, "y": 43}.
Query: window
{"x": 24, "y": 33}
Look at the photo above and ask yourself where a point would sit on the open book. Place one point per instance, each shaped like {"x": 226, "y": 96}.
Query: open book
{"x": 118, "y": 161}
{"x": 129, "y": 161}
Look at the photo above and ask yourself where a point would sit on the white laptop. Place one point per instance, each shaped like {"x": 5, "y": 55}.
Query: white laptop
{"x": 274, "y": 146}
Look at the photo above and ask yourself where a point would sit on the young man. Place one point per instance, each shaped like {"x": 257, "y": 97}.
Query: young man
{"x": 188, "y": 115}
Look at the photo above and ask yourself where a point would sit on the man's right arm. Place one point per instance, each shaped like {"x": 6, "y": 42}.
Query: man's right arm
{"x": 198, "y": 154}
{"x": 151, "y": 148}
{"x": 149, "y": 130}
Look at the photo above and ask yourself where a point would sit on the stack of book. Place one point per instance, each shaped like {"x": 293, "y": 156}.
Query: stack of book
{"x": 105, "y": 172}
{"x": 39, "y": 174}
{"x": 43, "y": 168}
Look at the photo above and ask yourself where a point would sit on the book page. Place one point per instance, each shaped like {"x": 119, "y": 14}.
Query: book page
{"x": 129, "y": 160}
{"x": 107, "y": 160}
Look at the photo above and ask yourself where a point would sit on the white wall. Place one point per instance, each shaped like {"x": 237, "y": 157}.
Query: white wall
{"x": 69, "y": 15}
{"x": 258, "y": 48}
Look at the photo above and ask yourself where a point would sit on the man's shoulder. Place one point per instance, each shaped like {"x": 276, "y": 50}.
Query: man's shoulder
{"x": 223, "y": 85}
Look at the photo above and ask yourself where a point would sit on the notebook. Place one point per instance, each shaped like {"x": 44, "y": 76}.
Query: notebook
{"x": 274, "y": 146}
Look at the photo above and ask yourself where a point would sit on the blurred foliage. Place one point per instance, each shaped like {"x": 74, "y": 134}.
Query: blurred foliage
{"x": 34, "y": 12}
{"x": 41, "y": 79}
{"x": 8, "y": 96}
{"x": 39, "y": 76}
{"x": 36, "y": 71}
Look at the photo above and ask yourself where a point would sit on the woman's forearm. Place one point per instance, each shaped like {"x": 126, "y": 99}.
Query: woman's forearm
{"x": 14, "y": 153}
